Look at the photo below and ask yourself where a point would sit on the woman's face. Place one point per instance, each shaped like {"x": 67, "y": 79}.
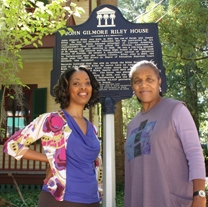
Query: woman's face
{"x": 145, "y": 84}
{"x": 80, "y": 88}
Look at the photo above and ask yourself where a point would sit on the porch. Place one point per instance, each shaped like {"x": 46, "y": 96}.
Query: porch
{"x": 28, "y": 174}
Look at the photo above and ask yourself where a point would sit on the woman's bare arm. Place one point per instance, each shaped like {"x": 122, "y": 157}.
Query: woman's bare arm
{"x": 31, "y": 154}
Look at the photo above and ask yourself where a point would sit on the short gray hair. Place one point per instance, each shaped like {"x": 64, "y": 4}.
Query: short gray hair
{"x": 142, "y": 63}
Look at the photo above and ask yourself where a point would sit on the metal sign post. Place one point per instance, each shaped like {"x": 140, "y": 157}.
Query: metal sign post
{"x": 109, "y": 189}
{"x": 109, "y": 45}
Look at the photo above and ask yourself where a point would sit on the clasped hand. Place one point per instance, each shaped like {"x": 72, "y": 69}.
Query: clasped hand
{"x": 49, "y": 174}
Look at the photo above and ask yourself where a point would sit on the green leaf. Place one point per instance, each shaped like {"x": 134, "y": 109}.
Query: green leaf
{"x": 62, "y": 32}
{"x": 40, "y": 42}
{"x": 35, "y": 45}
{"x": 20, "y": 27}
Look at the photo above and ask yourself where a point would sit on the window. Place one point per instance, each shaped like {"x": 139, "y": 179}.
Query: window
{"x": 34, "y": 104}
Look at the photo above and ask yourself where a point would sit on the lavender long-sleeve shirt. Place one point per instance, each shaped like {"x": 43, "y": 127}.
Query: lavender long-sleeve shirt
{"x": 163, "y": 156}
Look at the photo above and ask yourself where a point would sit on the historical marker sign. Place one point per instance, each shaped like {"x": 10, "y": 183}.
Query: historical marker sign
{"x": 109, "y": 45}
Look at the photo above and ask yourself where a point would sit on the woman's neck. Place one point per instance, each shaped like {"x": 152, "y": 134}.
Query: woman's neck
{"x": 148, "y": 106}
{"x": 75, "y": 112}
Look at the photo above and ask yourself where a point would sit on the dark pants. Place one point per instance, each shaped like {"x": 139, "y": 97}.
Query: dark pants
{"x": 47, "y": 200}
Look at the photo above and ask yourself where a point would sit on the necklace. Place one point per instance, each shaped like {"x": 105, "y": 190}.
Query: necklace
{"x": 76, "y": 117}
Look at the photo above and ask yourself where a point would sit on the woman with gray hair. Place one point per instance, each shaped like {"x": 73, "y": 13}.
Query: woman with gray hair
{"x": 164, "y": 163}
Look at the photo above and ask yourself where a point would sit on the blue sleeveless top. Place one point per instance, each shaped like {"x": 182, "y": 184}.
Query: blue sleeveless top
{"x": 82, "y": 150}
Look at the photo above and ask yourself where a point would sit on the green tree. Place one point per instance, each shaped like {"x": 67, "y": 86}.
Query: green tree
{"x": 130, "y": 107}
{"x": 183, "y": 30}
{"x": 20, "y": 27}
{"x": 132, "y": 9}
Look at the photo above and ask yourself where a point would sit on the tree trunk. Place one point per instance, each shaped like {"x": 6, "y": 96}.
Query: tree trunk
{"x": 191, "y": 96}
{"x": 119, "y": 145}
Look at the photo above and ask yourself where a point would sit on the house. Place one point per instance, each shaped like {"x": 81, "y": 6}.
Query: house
{"x": 37, "y": 66}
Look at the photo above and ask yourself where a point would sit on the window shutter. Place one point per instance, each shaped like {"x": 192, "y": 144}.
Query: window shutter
{"x": 39, "y": 102}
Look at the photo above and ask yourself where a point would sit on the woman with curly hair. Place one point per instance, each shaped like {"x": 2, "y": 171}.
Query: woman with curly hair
{"x": 70, "y": 144}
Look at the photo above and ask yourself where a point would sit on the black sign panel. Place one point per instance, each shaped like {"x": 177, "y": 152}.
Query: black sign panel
{"x": 109, "y": 45}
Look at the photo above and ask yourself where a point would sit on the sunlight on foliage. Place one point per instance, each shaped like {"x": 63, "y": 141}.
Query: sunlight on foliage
{"x": 183, "y": 33}
{"x": 25, "y": 22}
{"x": 130, "y": 108}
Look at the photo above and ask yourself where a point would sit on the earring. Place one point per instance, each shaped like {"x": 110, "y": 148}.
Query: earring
{"x": 133, "y": 94}
{"x": 160, "y": 89}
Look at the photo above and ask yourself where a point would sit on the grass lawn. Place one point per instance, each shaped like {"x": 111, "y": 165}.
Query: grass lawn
{"x": 31, "y": 197}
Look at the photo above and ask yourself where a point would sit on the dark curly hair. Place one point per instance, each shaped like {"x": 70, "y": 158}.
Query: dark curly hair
{"x": 61, "y": 93}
